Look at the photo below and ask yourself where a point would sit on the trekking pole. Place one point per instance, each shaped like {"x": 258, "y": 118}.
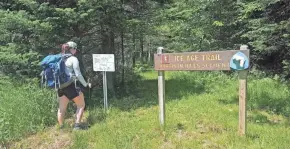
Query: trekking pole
{"x": 55, "y": 87}
{"x": 42, "y": 80}
{"x": 89, "y": 89}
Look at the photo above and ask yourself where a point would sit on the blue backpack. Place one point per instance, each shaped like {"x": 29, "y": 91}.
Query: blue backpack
{"x": 53, "y": 71}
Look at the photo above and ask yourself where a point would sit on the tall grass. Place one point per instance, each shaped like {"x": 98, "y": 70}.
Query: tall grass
{"x": 270, "y": 95}
{"x": 24, "y": 108}
{"x": 201, "y": 112}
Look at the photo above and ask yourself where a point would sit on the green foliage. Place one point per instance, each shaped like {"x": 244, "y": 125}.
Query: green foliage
{"x": 265, "y": 29}
{"x": 198, "y": 26}
{"x": 24, "y": 108}
{"x": 30, "y": 29}
{"x": 19, "y": 48}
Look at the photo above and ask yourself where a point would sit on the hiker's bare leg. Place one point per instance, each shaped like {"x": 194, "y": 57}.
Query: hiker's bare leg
{"x": 80, "y": 102}
{"x": 63, "y": 101}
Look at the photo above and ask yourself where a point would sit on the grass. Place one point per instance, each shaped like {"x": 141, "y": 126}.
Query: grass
{"x": 201, "y": 112}
{"x": 24, "y": 108}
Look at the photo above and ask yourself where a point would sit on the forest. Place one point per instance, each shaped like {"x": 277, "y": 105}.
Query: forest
{"x": 132, "y": 30}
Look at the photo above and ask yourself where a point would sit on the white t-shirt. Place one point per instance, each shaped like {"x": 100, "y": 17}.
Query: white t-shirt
{"x": 73, "y": 69}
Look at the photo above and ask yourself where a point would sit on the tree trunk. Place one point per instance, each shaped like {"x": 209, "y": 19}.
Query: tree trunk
{"x": 111, "y": 75}
{"x": 123, "y": 59}
{"x": 200, "y": 43}
{"x": 141, "y": 49}
{"x": 149, "y": 51}
{"x": 108, "y": 48}
{"x": 134, "y": 51}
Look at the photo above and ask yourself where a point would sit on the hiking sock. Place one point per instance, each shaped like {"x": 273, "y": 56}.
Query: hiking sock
{"x": 60, "y": 126}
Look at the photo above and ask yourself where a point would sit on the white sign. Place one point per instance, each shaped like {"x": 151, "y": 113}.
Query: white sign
{"x": 104, "y": 62}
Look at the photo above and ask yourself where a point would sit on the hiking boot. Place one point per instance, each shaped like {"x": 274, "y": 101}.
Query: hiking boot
{"x": 78, "y": 126}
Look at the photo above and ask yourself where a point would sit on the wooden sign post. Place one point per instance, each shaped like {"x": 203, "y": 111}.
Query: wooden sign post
{"x": 203, "y": 61}
{"x": 242, "y": 97}
{"x": 161, "y": 91}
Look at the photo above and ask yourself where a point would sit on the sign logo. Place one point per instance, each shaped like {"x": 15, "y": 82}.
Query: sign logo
{"x": 164, "y": 59}
{"x": 239, "y": 61}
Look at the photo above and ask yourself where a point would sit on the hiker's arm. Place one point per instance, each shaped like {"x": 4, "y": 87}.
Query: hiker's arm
{"x": 78, "y": 73}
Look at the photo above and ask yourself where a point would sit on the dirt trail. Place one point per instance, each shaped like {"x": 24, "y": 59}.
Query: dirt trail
{"x": 49, "y": 139}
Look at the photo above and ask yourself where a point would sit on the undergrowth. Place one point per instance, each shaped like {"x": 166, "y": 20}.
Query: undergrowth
{"x": 24, "y": 108}
{"x": 202, "y": 110}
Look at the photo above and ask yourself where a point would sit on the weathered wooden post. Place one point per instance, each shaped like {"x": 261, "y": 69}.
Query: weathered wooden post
{"x": 242, "y": 98}
{"x": 161, "y": 91}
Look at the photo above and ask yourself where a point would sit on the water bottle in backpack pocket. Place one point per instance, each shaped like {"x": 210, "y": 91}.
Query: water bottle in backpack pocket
{"x": 53, "y": 71}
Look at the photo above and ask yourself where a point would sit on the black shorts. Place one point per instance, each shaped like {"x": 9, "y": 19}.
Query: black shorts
{"x": 70, "y": 91}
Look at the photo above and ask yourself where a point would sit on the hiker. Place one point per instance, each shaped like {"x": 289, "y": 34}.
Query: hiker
{"x": 72, "y": 92}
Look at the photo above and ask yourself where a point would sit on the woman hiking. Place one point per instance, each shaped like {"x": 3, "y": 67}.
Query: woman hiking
{"x": 71, "y": 92}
